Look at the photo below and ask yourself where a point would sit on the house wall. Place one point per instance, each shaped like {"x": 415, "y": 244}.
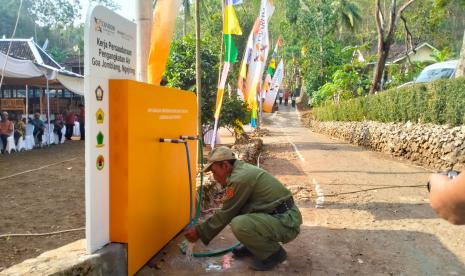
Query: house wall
{"x": 423, "y": 54}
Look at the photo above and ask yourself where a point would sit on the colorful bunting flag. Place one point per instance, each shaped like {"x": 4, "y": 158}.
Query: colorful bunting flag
{"x": 272, "y": 65}
{"x": 230, "y": 27}
{"x": 241, "y": 82}
{"x": 231, "y": 23}
{"x": 274, "y": 88}
{"x": 259, "y": 53}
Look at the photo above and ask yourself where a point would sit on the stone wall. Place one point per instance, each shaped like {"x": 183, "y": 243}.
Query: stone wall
{"x": 432, "y": 146}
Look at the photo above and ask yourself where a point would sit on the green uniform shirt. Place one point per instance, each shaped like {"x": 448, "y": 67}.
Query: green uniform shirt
{"x": 249, "y": 189}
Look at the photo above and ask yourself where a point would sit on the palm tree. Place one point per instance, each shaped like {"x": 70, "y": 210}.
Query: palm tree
{"x": 348, "y": 14}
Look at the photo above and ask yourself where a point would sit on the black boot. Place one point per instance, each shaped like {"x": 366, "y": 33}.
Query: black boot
{"x": 270, "y": 262}
{"x": 241, "y": 252}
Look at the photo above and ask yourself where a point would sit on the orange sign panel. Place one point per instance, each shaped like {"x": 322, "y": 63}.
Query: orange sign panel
{"x": 149, "y": 184}
{"x": 12, "y": 104}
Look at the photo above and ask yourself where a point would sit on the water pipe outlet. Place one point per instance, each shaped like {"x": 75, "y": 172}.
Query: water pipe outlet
{"x": 185, "y": 137}
{"x": 169, "y": 140}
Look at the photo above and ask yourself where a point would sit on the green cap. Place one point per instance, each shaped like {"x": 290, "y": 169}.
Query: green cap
{"x": 219, "y": 154}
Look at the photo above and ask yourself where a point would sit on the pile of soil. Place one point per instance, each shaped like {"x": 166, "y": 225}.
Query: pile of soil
{"x": 260, "y": 132}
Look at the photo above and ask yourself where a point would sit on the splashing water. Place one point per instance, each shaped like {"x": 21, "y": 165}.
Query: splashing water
{"x": 189, "y": 251}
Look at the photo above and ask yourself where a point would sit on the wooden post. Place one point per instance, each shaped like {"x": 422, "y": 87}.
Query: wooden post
{"x": 144, "y": 12}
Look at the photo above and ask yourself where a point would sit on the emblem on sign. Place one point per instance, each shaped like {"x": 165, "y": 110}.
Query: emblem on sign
{"x": 100, "y": 116}
{"x": 100, "y": 140}
{"x": 100, "y": 163}
{"x": 99, "y": 93}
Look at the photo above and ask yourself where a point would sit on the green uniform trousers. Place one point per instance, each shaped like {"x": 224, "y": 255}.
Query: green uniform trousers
{"x": 261, "y": 233}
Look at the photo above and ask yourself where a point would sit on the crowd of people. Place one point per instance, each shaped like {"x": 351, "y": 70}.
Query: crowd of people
{"x": 286, "y": 95}
{"x": 14, "y": 125}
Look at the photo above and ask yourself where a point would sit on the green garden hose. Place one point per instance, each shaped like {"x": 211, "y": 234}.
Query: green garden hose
{"x": 182, "y": 245}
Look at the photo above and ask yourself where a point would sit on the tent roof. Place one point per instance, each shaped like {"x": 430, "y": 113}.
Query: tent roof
{"x": 27, "y": 63}
{"x": 27, "y": 49}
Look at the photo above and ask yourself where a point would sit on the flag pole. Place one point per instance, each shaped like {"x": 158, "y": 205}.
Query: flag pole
{"x": 215, "y": 126}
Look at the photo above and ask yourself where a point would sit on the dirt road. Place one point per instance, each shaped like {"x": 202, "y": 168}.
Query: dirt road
{"x": 42, "y": 191}
{"x": 369, "y": 213}
{"x": 364, "y": 213}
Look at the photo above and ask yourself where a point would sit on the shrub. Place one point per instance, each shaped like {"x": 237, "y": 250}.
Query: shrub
{"x": 439, "y": 102}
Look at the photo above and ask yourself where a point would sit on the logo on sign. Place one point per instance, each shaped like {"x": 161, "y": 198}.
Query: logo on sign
{"x": 100, "y": 140}
{"x": 101, "y": 26}
{"x": 99, "y": 93}
{"x": 100, "y": 163}
{"x": 100, "y": 116}
{"x": 98, "y": 25}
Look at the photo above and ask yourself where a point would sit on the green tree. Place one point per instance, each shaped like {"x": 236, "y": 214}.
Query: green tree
{"x": 180, "y": 73}
{"x": 386, "y": 28}
{"x": 348, "y": 13}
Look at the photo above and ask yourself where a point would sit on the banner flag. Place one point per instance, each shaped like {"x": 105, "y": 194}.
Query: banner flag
{"x": 241, "y": 87}
{"x": 259, "y": 53}
{"x": 270, "y": 97}
{"x": 230, "y": 27}
{"x": 271, "y": 69}
{"x": 163, "y": 24}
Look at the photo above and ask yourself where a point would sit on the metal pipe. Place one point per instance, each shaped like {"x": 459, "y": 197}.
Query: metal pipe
{"x": 27, "y": 104}
{"x": 48, "y": 112}
{"x": 170, "y": 140}
{"x": 184, "y": 137}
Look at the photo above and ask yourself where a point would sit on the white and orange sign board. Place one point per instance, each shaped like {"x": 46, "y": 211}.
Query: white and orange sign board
{"x": 149, "y": 179}
{"x": 110, "y": 53}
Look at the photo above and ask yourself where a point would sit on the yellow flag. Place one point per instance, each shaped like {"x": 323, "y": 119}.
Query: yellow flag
{"x": 231, "y": 23}
{"x": 164, "y": 22}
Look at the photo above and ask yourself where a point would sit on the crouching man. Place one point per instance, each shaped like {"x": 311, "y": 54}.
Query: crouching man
{"x": 259, "y": 209}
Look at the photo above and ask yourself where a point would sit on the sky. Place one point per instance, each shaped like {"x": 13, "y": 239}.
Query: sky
{"x": 128, "y": 8}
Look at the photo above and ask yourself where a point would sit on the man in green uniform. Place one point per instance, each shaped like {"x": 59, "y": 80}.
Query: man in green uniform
{"x": 259, "y": 209}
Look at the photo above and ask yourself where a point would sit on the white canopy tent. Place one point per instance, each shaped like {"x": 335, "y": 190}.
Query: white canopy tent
{"x": 36, "y": 72}
{"x": 24, "y": 72}
{"x": 17, "y": 68}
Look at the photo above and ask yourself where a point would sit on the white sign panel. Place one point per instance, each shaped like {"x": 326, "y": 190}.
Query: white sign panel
{"x": 109, "y": 53}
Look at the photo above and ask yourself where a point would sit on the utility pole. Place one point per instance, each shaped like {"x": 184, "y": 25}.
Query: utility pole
{"x": 198, "y": 74}
{"x": 144, "y": 10}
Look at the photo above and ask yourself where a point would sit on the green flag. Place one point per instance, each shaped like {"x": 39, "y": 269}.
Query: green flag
{"x": 230, "y": 49}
